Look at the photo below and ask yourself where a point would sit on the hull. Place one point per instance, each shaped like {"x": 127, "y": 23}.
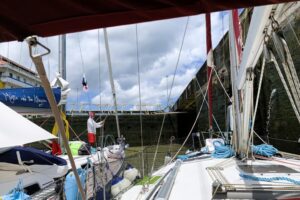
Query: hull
{"x": 97, "y": 172}
{"x": 36, "y": 169}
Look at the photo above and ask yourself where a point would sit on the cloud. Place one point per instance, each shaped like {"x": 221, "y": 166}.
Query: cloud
{"x": 158, "y": 49}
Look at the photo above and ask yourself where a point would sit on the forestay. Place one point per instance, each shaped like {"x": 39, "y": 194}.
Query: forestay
{"x": 16, "y": 130}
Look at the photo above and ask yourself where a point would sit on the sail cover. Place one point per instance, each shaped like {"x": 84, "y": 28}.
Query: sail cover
{"x": 16, "y": 130}
{"x": 20, "y": 19}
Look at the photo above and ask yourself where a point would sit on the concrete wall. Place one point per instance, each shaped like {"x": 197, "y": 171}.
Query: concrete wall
{"x": 283, "y": 130}
{"x": 129, "y": 125}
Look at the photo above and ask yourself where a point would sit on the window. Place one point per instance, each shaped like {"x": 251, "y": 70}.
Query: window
{"x": 1, "y": 74}
{"x": 18, "y": 78}
{"x": 24, "y": 80}
{"x": 10, "y": 75}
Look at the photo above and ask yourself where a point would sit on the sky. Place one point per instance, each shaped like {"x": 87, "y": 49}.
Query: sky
{"x": 159, "y": 45}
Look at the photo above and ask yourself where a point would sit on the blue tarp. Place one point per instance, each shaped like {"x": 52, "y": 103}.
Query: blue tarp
{"x": 71, "y": 188}
{"x": 31, "y": 154}
{"x": 33, "y": 97}
{"x": 16, "y": 194}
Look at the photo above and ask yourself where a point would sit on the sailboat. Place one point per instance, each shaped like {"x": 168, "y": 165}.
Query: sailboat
{"x": 242, "y": 170}
{"x": 36, "y": 169}
{"x": 234, "y": 177}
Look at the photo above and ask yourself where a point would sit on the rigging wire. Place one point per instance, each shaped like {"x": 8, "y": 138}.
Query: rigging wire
{"x": 84, "y": 81}
{"x": 218, "y": 127}
{"x": 293, "y": 30}
{"x": 99, "y": 64}
{"x": 187, "y": 137}
{"x": 285, "y": 85}
{"x": 82, "y": 61}
{"x": 140, "y": 99}
{"x": 164, "y": 117}
{"x": 178, "y": 59}
{"x": 250, "y": 142}
{"x": 214, "y": 68}
{"x": 48, "y": 60}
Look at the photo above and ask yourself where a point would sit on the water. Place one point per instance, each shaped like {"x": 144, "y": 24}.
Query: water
{"x": 269, "y": 112}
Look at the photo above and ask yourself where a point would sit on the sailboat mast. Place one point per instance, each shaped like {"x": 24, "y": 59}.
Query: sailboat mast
{"x": 112, "y": 81}
{"x": 209, "y": 64}
{"x": 62, "y": 56}
{"x": 235, "y": 51}
{"x": 62, "y": 60}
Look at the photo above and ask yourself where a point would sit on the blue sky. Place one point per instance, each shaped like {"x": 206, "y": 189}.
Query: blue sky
{"x": 159, "y": 44}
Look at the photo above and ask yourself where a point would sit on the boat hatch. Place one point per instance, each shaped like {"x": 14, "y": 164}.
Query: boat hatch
{"x": 266, "y": 169}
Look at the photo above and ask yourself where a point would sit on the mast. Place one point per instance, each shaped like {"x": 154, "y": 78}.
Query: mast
{"x": 38, "y": 62}
{"x": 62, "y": 60}
{"x": 209, "y": 64}
{"x": 62, "y": 56}
{"x": 111, "y": 81}
{"x": 62, "y": 71}
{"x": 243, "y": 78}
{"x": 235, "y": 50}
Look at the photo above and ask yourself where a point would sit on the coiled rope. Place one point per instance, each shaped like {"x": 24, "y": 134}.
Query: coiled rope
{"x": 222, "y": 151}
{"x": 264, "y": 150}
{"x": 270, "y": 179}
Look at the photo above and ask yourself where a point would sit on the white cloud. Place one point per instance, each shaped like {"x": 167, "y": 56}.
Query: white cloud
{"x": 159, "y": 45}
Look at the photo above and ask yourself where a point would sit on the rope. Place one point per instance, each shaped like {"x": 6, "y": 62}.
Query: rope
{"x": 214, "y": 68}
{"x": 222, "y": 151}
{"x": 279, "y": 47}
{"x": 264, "y": 150}
{"x": 216, "y": 123}
{"x": 285, "y": 85}
{"x": 178, "y": 58}
{"x": 295, "y": 35}
{"x": 256, "y": 102}
{"x": 175, "y": 71}
{"x": 270, "y": 179}
{"x": 82, "y": 61}
{"x": 140, "y": 99}
{"x": 285, "y": 140}
{"x": 292, "y": 69}
{"x": 194, "y": 122}
{"x": 44, "y": 121}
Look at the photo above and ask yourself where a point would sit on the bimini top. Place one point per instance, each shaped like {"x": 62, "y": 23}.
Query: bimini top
{"x": 17, "y": 130}
{"x": 19, "y": 19}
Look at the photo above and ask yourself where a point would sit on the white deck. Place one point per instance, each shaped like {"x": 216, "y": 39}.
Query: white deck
{"x": 195, "y": 178}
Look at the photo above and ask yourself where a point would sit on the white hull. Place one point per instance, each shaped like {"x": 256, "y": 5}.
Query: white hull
{"x": 10, "y": 179}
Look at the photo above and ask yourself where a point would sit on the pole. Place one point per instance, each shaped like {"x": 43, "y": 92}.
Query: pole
{"x": 209, "y": 64}
{"x": 62, "y": 60}
{"x": 111, "y": 81}
{"x": 37, "y": 60}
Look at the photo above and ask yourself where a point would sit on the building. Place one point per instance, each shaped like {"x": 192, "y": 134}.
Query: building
{"x": 14, "y": 75}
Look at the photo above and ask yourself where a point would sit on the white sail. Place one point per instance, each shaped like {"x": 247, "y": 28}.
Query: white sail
{"x": 16, "y": 130}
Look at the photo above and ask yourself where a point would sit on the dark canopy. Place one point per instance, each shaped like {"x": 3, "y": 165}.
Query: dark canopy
{"x": 21, "y": 18}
